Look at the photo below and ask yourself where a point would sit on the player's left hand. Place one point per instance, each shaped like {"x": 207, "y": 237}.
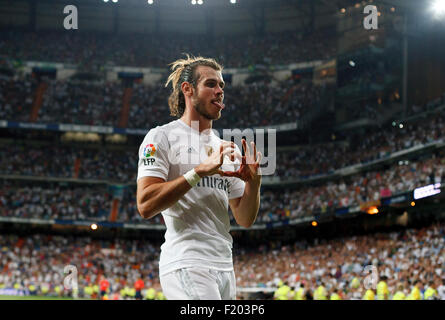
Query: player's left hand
{"x": 250, "y": 165}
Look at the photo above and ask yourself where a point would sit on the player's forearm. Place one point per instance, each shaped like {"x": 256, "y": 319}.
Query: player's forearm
{"x": 249, "y": 205}
{"x": 160, "y": 196}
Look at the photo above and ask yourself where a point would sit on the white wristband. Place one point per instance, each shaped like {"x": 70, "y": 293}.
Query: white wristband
{"x": 192, "y": 177}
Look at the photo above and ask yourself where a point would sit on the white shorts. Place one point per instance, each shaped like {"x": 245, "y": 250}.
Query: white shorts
{"x": 199, "y": 283}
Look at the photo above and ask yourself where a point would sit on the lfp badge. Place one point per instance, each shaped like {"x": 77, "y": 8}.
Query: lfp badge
{"x": 149, "y": 150}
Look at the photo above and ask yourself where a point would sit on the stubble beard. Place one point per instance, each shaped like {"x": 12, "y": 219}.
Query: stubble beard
{"x": 200, "y": 108}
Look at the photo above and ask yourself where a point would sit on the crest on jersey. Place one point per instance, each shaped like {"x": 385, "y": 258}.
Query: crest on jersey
{"x": 149, "y": 150}
{"x": 209, "y": 150}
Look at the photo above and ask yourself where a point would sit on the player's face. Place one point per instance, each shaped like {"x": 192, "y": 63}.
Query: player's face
{"x": 209, "y": 93}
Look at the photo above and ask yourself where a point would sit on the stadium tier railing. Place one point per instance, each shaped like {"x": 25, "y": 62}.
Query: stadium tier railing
{"x": 67, "y": 127}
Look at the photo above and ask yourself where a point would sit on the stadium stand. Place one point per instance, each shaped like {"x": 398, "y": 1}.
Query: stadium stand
{"x": 158, "y": 51}
{"x": 99, "y": 103}
{"x": 404, "y": 257}
{"x": 354, "y": 190}
{"x": 53, "y": 190}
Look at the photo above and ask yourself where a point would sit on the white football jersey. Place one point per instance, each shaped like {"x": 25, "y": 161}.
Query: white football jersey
{"x": 198, "y": 224}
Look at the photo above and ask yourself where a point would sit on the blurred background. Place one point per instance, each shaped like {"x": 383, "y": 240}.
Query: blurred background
{"x": 360, "y": 123}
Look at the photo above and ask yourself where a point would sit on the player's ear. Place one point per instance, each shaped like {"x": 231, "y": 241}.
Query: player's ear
{"x": 187, "y": 89}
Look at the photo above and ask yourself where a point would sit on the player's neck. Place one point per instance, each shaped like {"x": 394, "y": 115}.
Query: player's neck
{"x": 204, "y": 124}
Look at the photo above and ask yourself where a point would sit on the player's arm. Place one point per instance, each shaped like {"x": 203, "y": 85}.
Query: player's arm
{"x": 155, "y": 194}
{"x": 245, "y": 209}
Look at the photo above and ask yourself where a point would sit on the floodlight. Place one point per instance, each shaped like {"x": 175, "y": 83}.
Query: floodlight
{"x": 439, "y": 7}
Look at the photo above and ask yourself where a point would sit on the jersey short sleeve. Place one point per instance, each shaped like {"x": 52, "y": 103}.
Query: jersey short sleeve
{"x": 153, "y": 155}
{"x": 236, "y": 189}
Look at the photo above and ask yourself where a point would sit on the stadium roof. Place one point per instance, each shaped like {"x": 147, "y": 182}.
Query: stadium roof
{"x": 214, "y": 17}
{"x": 246, "y": 16}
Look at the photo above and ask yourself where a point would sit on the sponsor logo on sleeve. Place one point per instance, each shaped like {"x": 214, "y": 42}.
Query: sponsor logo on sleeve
{"x": 149, "y": 152}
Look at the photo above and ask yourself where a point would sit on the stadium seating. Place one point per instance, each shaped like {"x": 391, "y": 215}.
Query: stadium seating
{"x": 53, "y": 181}
{"x": 42, "y": 202}
{"x": 403, "y": 257}
{"x": 100, "y": 103}
{"x": 93, "y": 52}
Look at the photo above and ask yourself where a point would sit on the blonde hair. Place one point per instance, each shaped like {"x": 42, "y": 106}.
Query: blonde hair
{"x": 184, "y": 70}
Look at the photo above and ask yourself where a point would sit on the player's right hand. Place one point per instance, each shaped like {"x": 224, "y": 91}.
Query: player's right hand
{"x": 213, "y": 163}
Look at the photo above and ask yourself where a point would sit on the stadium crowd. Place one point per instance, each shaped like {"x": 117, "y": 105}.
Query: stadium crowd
{"x": 261, "y": 104}
{"x": 38, "y": 202}
{"x": 80, "y": 202}
{"x": 360, "y": 147}
{"x": 82, "y": 102}
{"x": 94, "y": 163}
{"x": 253, "y": 105}
{"x": 69, "y": 162}
{"x": 100, "y": 103}
{"x": 36, "y": 264}
{"x": 114, "y": 166}
{"x": 410, "y": 261}
{"x": 16, "y": 98}
{"x": 68, "y": 202}
{"x": 352, "y": 191}
{"x": 91, "y": 51}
